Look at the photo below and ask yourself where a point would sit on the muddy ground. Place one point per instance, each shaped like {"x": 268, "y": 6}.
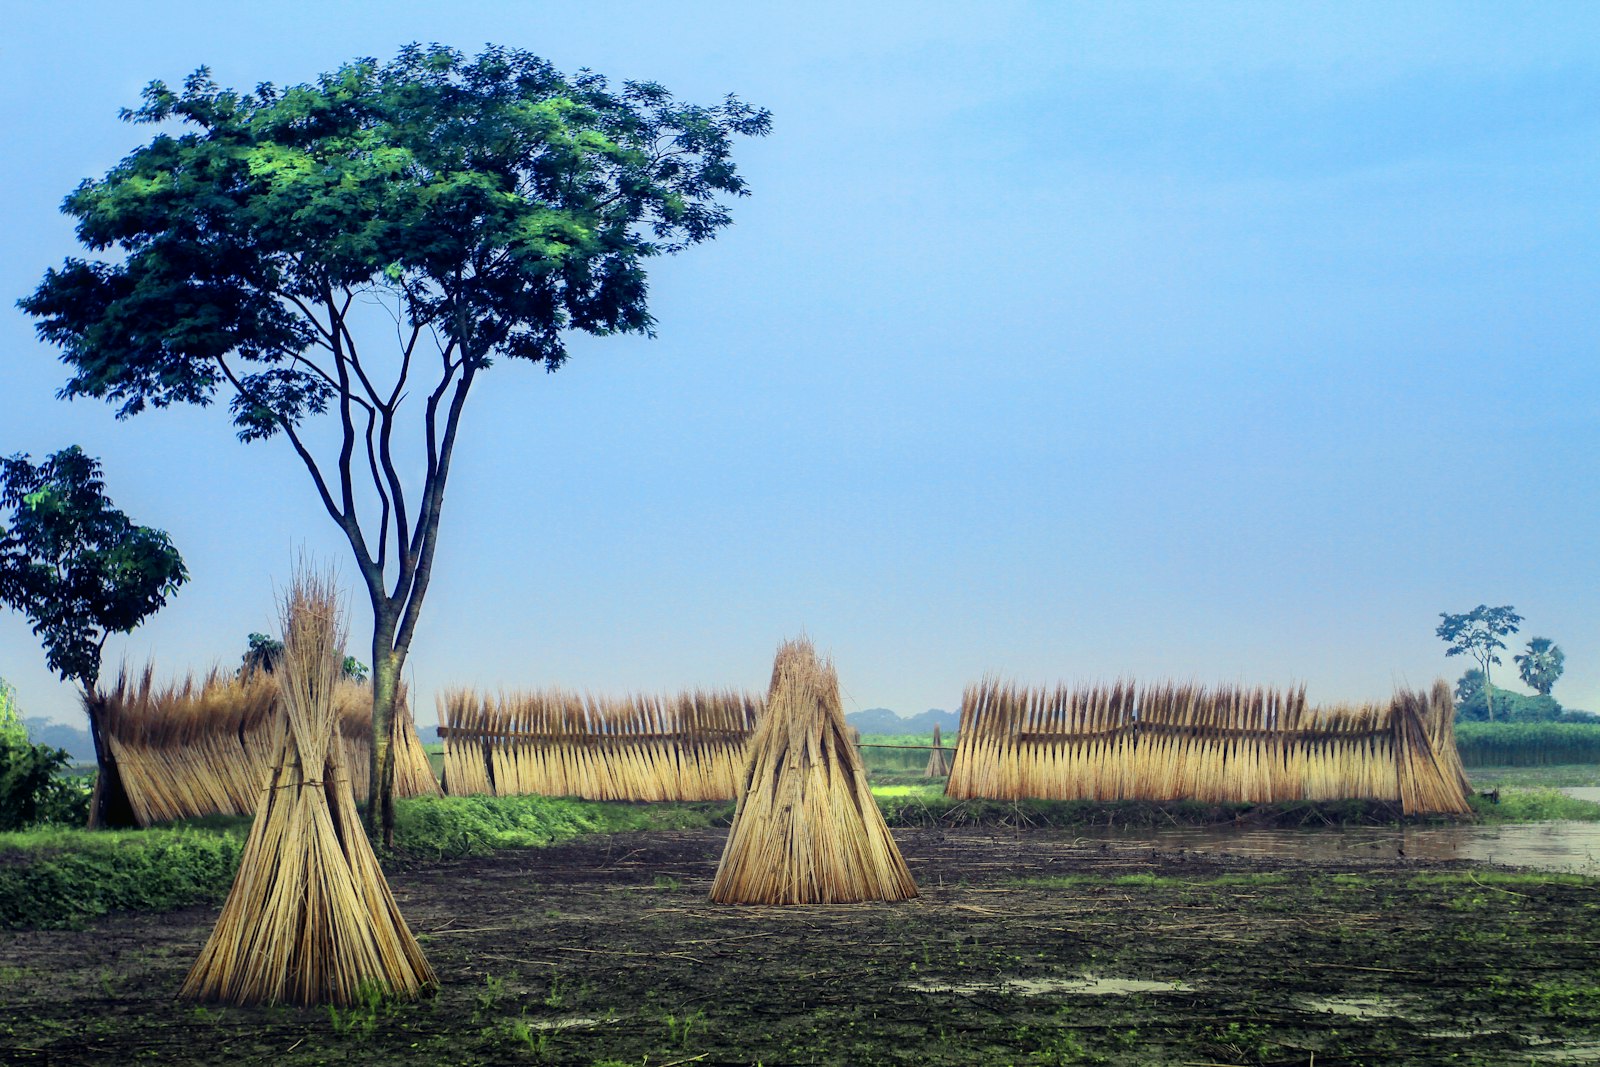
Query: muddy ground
{"x": 1025, "y": 948}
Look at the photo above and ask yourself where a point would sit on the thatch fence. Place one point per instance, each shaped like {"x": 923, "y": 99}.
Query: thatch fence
{"x": 557, "y": 743}
{"x": 203, "y": 746}
{"x": 1175, "y": 742}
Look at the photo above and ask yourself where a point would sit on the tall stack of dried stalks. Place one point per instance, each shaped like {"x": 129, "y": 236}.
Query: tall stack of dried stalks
{"x": 203, "y": 746}
{"x": 310, "y": 918}
{"x": 555, "y": 743}
{"x": 938, "y": 765}
{"x": 807, "y": 830}
{"x": 1170, "y": 742}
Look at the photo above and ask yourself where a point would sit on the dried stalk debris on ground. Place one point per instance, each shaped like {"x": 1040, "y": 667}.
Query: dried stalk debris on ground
{"x": 1172, "y": 742}
{"x": 558, "y": 743}
{"x": 807, "y": 830}
{"x": 203, "y": 746}
{"x": 310, "y": 918}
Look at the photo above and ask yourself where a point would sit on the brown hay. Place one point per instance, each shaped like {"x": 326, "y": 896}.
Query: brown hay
{"x": 557, "y": 743}
{"x": 203, "y": 746}
{"x": 1227, "y": 745}
{"x": 310, "y": 918}
{"x": 807, "y": 830}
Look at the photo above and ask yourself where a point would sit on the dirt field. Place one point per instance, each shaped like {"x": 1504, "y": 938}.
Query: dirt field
{"x": 1027, "y": 948}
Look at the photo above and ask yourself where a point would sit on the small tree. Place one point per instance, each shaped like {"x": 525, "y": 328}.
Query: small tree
{"x": 81, "y": 571}
{"x": 1477, "y": 633}
{"x": 262, "y": 654}
{"x": 485, "y": 206}
{"x": 1541, "y": 666}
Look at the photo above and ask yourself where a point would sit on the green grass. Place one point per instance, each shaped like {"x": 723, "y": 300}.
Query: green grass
{"x": 59, "y": 877}
{"x": 1527, "y": 744}
{"x": 1534, "y": 805}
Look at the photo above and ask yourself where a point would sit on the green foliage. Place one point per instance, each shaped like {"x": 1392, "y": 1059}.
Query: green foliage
{"x": 1477, "y": 633}
{"x": 1541, "y": 665}
{"x": 74, "y": 564}
{"x": 27, "y": 782}
{"x": 462, "y": 826}
{"x": 263, "y": 652}
{"x": 908, "y": 761}
{"x": 1527, "y": 744}
{"x": 1509, "y": 707}
{"x": 11, "y": 727}
{"x": 74, "y": 876}
{"x": 1535, "y": 805}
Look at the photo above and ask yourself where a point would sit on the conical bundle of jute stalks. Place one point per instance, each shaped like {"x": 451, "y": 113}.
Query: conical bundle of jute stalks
{"x": 310, "y": 919}
{"x": 938, "y": 767}
{"x": 807, "y": 830}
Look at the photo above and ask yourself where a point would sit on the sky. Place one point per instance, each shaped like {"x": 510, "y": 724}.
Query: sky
{"x": 1228, "y": 343}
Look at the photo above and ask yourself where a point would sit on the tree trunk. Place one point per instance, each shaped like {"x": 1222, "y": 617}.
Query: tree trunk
{"x": 386, "y": 664}
{"x": 109, "y": 806}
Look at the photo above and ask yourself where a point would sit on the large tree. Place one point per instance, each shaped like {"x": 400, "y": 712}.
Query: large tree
{"x": 80, "y": 570}
{"x": 488, "y": 205}
{"x": 1541, "y": 665}
{"x": 1477, "y": 633}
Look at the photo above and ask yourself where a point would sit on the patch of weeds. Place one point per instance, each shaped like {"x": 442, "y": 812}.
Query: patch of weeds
{"x": 360, "y": 1019}
{"x": 488, "y": 998}
{"x": 681, "y": 1027}
{"x": 519, "y": 1032}
{"x": 1241, "y": 1042}
{"x": 664, "y": 881}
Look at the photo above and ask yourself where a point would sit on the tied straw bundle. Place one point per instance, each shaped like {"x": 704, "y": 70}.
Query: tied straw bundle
{"x": 310, "y": 918}
{"x": 807, "y": 830}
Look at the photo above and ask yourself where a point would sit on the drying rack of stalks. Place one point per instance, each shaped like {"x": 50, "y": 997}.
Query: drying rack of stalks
{"x": 558, "y": 743}
{"x": 1227, "y": 745}
{"x": 203, "y": 745}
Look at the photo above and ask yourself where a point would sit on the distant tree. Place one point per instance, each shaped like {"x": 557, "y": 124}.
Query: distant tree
{"x": 81, "y": 571}
{"x": 1469, "y": 686}
{"x": 1541, "y": 666}
{"x": 476, "y": 208}
{"x": 1477, "y": 633}
{"x": 263, "y": 654}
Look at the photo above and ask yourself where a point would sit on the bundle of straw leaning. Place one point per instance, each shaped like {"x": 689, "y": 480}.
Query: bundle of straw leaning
{"x": 937, "y": 766}
{"x": 807, "y": 830}
{"x": 310, "y": 918}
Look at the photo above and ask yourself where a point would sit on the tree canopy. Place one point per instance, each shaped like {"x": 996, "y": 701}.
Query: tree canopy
{"x": 1541, "y": 665}
{"x": 1478, "y": 633}
{"x": 486, "y": 206}
{"x": 74, "y": 564}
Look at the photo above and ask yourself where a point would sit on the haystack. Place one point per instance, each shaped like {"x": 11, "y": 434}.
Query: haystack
{"x": 310, "y": 918}
{"x": 807, "y": 830}
{"x": 938, "y": 767}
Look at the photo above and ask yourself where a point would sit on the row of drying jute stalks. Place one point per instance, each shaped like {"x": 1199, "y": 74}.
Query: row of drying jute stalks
{"x": 199, "y": 748}
{"x": 1168, "y": 742}
{"x": 203, "y": 746}
{"x": 310, "y": 918}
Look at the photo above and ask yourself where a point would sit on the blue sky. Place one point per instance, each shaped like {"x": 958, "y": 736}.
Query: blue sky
{"x": 1218, "y": 342}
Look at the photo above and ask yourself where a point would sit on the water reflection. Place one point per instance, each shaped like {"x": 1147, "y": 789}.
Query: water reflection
{"x": 1547, "y": 846}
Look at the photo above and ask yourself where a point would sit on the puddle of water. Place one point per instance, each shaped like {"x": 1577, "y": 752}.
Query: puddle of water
{"x": 1547, "y": 846}
{"x": 1087, "y": 985}
{"x": 570, "y": 1022}
{"x": 1358, "y": 1007}
{"x": 1582, "y": 1052}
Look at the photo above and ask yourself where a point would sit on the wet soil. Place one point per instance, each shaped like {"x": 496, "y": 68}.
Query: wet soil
{"x": 1030, "y": 947}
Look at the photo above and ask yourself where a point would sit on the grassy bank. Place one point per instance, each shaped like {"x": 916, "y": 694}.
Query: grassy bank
{"x": 53, "y": 878}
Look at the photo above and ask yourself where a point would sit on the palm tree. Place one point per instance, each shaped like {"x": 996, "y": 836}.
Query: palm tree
{"x": 1541, "y": 665}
